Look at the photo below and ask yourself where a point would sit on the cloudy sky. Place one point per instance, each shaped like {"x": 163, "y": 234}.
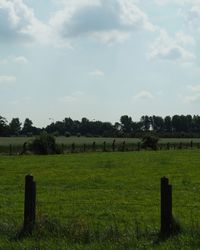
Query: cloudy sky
{"x": 99, "y": 59}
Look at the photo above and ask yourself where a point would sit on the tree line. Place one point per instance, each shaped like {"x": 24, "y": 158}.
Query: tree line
{"x": 169, "y": 126}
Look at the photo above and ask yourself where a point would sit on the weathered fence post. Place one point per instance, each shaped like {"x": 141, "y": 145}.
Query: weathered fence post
{"x": 10, "y": 149}
{"x": 84, "y": 147}
{"x": 166, "y": 208}
{"x": 94, "y": 146}
{"x": 191, "y": 144}
{"x": 123, "y": 146}
{"x": 73, "y": 148}
{"x": 29, "y": 204}
{"x": 168, "y": 146}
{"x": 113, "y": 146}
{"x": 104, "y": 146}
{"x": 62, "y": 148}
{"x": 139, "y": 146}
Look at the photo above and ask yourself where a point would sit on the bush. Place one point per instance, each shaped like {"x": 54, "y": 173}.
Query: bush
{"x": 44, "y": 144}
{"x": 56, "y": 134}
{"x": 67, "y": 134}
{"x": 150, "y": 141}
{"x": 78, "y": 134}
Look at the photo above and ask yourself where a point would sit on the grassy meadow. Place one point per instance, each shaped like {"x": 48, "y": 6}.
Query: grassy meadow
{"x": 14, "y": 145}
{"x": 101, "y": 200}
{"x": 6, "y": 141}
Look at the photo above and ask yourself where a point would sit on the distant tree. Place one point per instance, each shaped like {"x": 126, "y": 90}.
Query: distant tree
{"x": 85, "y": 126}
{"x": 15, "y": 126}
{"x": 168, "y": 124}
{"x": 196, "y": 124}
{"x": 4, "y": 129}
{"x": 27, "y": 127}
{"x": 146, "y": 122}
{"x": 68, "y": 124}
{"x": 189, "y": 123}
{"x": 157, "y": 123}
{"x": 126, "y": 123}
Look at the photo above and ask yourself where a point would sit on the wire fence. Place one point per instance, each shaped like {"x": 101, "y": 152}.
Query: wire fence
{"x": 59, "y": 195}
{"x": 104, "y": 147}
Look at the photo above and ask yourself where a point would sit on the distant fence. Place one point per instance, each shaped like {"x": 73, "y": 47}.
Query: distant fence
{"x": 104, "y": 147}
{"x": 167, "y": 225}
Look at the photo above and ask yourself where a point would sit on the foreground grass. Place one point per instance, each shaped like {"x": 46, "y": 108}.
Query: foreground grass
{"x": 101, "y": 200}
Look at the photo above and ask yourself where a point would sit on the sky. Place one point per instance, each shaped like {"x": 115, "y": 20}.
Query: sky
{"x": 98, "y": 59}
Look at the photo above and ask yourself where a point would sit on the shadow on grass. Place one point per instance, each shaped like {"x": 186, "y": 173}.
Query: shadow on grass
{"x": 78, "y": 230}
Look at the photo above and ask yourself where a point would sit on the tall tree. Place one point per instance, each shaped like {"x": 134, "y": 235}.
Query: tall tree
{"x": 157, "y": 123}
{"x": 27, "y": 127}
{"x": 15, "y": 126}
{"x": 126, "y": 123}
{"x": 168, "y": 124}
{"x": 146, "y": 122}
{"x": 3, "y": 126}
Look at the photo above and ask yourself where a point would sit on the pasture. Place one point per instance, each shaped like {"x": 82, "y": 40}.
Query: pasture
{"x": 6, "y": 141}
{"x": 100, "y": 200}
{"x": 14, "y": 145}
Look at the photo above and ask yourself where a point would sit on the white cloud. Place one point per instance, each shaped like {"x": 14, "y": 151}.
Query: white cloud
{"x": 172, "y": 49}
{"x": 194, "y": 88}
{"x": 97, "y": 72}
{"x": 195, "y": 94}
{"x": 3, "y": 61}
{"x": 14, "y": 59}
{"x": 18, "y": 23}
{"x": 107, "y": 21}
{"x": 74, "y": 97}
{"x": 20, "y": 60}
{"x": 144, "y": 95}
{"x": 189, "y": 10}
{"x": 184, "y": 39}
{"x": 7, "y": 79}
{"x": 192, "y": 98}
{"x": 104, "y": 20}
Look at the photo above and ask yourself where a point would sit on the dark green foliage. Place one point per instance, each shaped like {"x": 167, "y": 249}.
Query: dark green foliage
{"x": 44, "y": 144}
{"x": 177, "y": 126}
{"x": 4, "y": 128}
{"x": 27, "y": 127}
{"x": 67, "y": 134}
{"x": 150, "y": 141}
{"x": 15, "y": 126}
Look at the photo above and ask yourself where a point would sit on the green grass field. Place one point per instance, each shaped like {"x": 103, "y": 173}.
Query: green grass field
{"x": 14, "y": 145}
{"x": 5, "y": 141}
{"x": 101, "y": 200}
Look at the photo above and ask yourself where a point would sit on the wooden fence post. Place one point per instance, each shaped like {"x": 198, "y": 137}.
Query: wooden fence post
{"x": 84, "y": 147}
{"x": 10, "y": 149}
{"x": 29, "y": 204}
{"x": 113, "y": 146}
{"x": 166, "y": 208}
{"x": 73, "y": 147}
{"x": 191, "y": 144}
{"x": 139, "y": 146}
{"x": 168, "y": 146}
{"x": 104, "y": 146}
{"x": 123, "y": 146}
{"x": 62, "y": 148}
{"x": 94, "y": 146}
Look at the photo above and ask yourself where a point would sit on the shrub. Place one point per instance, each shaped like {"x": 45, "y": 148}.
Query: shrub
{"x": 44, "y": 144}
{"x": 78, "y": 134}
{"x": 56, "y": 134}
{"x": 67, "y": 134}
{"x": 150, "y": 141}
